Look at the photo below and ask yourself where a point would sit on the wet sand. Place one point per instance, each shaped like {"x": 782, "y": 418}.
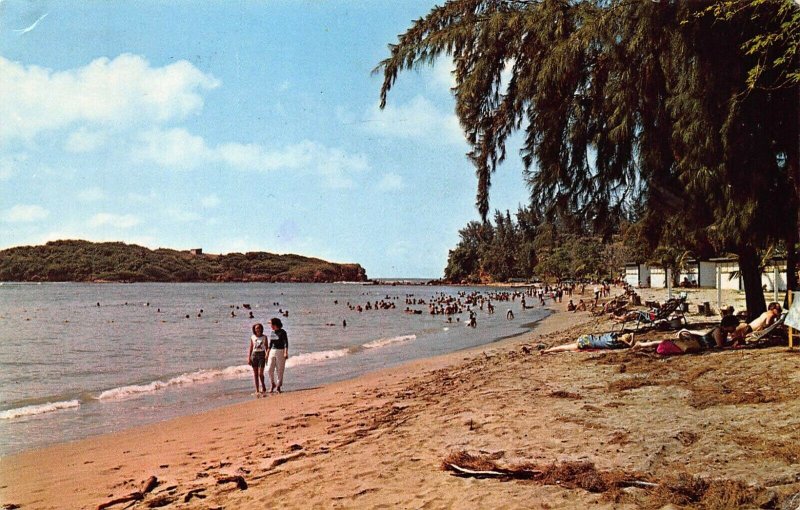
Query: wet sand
{"x": 710, "y": 431}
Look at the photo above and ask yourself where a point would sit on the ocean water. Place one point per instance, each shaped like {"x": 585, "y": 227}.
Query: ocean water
{"x": 70, "y": 369}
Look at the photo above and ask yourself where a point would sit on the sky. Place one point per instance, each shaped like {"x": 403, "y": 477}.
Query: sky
{"x": 233, "y": 126}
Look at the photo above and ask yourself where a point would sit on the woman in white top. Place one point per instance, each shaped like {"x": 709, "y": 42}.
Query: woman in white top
{"x": 257, "y": 357}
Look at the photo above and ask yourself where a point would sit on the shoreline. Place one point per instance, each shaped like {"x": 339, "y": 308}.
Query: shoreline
{"x": 16, "y": 469}
{"x": 380, "y": 439}
{"x": 240, "y": 396}
{"x": 153, "y": 385}
{"x": 531, "y": 326}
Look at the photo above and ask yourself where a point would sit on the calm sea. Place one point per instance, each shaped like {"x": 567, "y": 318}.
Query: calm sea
{"x": 72, "y": 369}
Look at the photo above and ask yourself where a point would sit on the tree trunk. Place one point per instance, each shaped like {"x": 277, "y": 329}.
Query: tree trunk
{"x": 791, "y": 235}
{"x": 751, "y": 274}
{"x": 791, "y": 258}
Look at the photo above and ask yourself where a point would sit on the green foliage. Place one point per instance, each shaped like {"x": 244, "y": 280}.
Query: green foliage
{"x": 495, "y": 253}
{"x": 630, "y": 110}
{"x": 776, "y": 50}
{"x": 523, "y": 247}
{"x": 118, "y": 262}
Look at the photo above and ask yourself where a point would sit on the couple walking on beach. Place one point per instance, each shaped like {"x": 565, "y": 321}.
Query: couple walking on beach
{"x": 271, "y": 352}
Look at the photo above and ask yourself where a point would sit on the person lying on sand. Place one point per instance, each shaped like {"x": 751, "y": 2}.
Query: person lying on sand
{"x": 629, "y": 316}
{"x": 688, "y": 342}
{"x": 612, "y": 340}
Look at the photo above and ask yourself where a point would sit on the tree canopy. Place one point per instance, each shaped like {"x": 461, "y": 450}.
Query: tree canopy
{"x": 628, "y": 108}
{"x": 525, "y": 246}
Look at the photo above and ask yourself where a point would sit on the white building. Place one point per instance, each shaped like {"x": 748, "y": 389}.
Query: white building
{"x": 728, "y": 277}
{"x": 637, "y": 275}
{"x": 658, "y": 277}
{"x": 774, "y": 273}
{"x": 699, "y": 273}
{"x": 705, "y": 274}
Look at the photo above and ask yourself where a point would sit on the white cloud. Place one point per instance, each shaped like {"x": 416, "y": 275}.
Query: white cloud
{"x": 391, "y": 182}
{"x": 443, "y": 76}
{"x": 110, "y": 93}
{"x": 83, "y": 140}
{"x": 178, "y": 149}
{"x": 114, "y": 220}
{"x": 92, "y": 195}
{"x": 23, "y": 213}
{"x": 210, "y": 201}
{"x": 418, "y": 119}
{"x": 175, "y": 148}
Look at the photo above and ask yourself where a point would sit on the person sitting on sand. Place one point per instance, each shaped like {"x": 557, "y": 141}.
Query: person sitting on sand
{"x": 581, "y": 307}
{"x": 774, "y": 311}
{"x": 257, "y": 356}
{"x": 612, "y": 340}
{"x": 688, "y": 342}
{"x": 570, "y": 306}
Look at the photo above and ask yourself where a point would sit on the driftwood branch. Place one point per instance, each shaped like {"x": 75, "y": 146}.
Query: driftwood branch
{"x": 149, "y": 484}
{"x": 194, "y": 493}
{"x": 637, "y": 483}
{"x": 237, "y": 479}
{"x": 133, "y": 496}
{"x": 524, "y": 474}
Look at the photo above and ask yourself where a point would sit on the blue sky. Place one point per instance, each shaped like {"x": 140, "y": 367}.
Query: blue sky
{"x": 232, "y": 126}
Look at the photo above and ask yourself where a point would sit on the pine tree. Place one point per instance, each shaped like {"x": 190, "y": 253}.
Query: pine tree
{"x": 624, "y": 104}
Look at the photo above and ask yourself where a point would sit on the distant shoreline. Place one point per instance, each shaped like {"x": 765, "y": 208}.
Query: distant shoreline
{"x": 85, "y": 261}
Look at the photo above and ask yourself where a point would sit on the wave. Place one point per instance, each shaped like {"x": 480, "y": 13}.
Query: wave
{"x": 33, "y": 410}
{"x": 383, "y": 342}
{"x": 210, "y": 375}
{"x": 311, "y": 358}
{"x": 199, "y": 377}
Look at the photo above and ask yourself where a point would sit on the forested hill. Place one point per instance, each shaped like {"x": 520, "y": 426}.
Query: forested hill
{"x": 84, "y": 261}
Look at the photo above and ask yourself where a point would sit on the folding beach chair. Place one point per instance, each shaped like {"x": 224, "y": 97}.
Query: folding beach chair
{"x": 757, "y": 336}
{"x": 673, "y": 306}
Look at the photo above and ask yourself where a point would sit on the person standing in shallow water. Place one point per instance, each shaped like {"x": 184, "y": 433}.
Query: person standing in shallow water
{"x": 277, "y": 354}
{"x": 257, "y": 357}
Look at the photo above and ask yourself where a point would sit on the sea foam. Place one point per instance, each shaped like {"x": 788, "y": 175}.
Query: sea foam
{"x": 311, "y": 358}
{"x": 33, "y": 410}
{"x": 383, "y": 342}
{"x": 210, "y": 375}
{"x": 198, "y": 377}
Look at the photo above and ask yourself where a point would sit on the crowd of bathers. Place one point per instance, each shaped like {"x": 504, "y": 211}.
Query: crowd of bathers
{"x": 387, "y": 303}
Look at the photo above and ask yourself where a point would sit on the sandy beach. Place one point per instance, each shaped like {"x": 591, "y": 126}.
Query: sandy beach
{"x": 709, "y": 431}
